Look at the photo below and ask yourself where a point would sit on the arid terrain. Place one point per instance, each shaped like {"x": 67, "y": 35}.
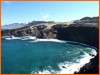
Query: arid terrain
{"x": 84, "y": 30}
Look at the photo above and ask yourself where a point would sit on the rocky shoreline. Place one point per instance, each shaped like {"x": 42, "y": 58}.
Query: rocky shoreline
{"x": 84, "y": 30}
{"x": 90, "y": 68}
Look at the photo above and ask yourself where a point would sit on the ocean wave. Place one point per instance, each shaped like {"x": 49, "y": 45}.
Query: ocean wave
{"x": 51, "y": 40}
{"x": 21, "y": 38}
{"x": 70, "y": 67}
{"x": 34, "y": 39}
{"x": 65, "y": 67}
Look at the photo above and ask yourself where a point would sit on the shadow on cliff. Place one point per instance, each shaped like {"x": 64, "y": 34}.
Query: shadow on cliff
{"x": 87, "y": 35}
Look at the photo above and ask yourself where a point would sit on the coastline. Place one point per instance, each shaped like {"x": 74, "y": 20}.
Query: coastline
{"x": 90, "y": 67}
{"x": 84, "y": 31}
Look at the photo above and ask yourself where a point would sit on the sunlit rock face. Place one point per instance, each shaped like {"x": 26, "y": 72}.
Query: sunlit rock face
{"x": 84, "y": 30}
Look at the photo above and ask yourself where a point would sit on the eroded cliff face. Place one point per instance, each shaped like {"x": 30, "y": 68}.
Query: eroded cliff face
{"x": 84, "y": 30}
{"x": 87, "y": 35}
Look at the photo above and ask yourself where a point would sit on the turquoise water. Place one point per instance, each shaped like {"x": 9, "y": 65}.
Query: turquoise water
{"x": 24, "y": 56}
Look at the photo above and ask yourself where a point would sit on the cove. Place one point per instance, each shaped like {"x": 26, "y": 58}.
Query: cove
{"x": 44, "y": 56}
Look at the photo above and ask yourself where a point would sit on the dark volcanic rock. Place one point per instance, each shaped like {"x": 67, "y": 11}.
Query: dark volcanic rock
{"x": 83, "y": 34}
{"x": 88, "y": 20}
{"x": 84, "y": 30}
{"x": 90, "y": 68}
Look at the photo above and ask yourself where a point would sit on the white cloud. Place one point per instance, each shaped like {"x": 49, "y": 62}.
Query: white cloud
{"x": 45, "y": 15}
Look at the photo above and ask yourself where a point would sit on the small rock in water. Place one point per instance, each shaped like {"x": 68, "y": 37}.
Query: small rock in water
{"x": 91, "y": 55}
{"x": 63, "y": 67}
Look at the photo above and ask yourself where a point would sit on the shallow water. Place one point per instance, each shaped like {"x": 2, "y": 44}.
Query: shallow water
{"x": 28, "y": 56}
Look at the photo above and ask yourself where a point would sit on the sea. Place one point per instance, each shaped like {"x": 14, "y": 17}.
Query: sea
{"x": 30, "y": 55}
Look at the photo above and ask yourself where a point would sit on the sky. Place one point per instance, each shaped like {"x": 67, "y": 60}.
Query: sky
{"x": 25, "y": 12}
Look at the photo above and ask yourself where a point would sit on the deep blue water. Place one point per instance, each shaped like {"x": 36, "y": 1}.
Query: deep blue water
{"x": 23, "y": 56}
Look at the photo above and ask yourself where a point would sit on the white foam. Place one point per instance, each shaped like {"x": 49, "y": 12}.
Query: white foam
{"x": 22, "y": 38}
{"x": 11, "y": 38}
{"x": 93, "y": 52}
{"x": 70, "y": 68}
{"x": 28, "y": 37}
{"x": 74, "y": 67}
{"x": 8, "y": 38}
{"x": 34, "y": 39}
{"x": 52, "y": 40}
{"x": 5, "y": 36}
{"x": 44, "y": 72}
{"x": 43, "y": 40}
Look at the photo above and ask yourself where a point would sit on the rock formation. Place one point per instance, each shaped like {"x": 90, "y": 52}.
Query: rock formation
{"x": 84, "y": 30}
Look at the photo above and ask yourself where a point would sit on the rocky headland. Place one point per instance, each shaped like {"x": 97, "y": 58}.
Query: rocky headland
{"x": 84, "y": 30}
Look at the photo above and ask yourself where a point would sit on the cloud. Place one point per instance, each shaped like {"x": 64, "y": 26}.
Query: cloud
{"x": 45, "y": 15}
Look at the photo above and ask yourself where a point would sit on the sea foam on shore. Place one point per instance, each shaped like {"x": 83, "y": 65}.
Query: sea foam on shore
{"x": 65, "y": 67}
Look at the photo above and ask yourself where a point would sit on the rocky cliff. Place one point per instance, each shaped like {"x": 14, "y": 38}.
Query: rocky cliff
{"x": 84, "y": 30}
